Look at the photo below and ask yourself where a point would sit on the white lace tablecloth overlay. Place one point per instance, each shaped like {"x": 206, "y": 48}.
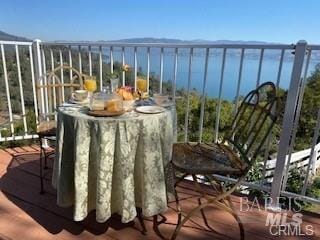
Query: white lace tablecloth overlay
{"x": 113, "y": 165}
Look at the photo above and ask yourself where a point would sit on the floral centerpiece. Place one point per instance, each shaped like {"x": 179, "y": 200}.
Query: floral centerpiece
{"x": 117, "y": 72}
{"x": 125, "y": 92}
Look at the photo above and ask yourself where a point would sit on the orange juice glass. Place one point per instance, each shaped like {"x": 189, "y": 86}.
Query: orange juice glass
{"x": 142, "y": 84}
{"x": 90, "y": 84}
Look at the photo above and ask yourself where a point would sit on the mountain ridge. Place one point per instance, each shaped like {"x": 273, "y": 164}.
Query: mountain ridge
{"x": 10, "y": 37}
{"x": 170, "y": 40}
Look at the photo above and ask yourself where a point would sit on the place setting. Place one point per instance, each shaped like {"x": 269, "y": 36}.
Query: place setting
{"x": 114, "y": 101}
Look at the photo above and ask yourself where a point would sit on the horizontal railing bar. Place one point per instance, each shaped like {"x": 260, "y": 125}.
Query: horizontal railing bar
{"x": 176, "y": 45}
{"x": 3, "y": 139}
{"x": 301, "y": 197}
{"x": 314, "y": 47}
{"x": 16, "y": 43}
{"x": 49, "y": 85}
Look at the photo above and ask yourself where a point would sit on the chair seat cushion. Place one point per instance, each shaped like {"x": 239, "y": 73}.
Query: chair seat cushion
{"x": 201, "y": 158}
{"x": 47, "y": 128}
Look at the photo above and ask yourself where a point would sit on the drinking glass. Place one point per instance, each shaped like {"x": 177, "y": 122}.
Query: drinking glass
{"x": 141, "y": 86}
{"x": 114, "y": 84}
{"x": 90, "y": 83}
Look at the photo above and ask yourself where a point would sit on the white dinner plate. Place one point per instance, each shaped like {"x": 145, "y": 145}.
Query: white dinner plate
{"x": 150, "y": 109}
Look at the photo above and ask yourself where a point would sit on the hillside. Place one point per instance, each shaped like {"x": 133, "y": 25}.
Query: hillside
{"x": 8, "y": 37}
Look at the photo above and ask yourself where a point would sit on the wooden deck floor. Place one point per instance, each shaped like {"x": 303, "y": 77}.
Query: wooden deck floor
{"x": 25, "y": 214}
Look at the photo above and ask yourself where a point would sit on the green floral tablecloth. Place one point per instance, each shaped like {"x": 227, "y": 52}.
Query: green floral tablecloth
{"x": 114, "y": 164}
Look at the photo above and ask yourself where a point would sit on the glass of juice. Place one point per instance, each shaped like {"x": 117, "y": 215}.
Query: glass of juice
{"x": 142, "y": 87}
{"x": 90, "y": 84}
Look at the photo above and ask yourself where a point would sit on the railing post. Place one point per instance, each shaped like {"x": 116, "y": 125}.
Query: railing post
{"x": 288, "y": 122}
{"x": 39, "y": 80}
{"x": 38, "y": 71}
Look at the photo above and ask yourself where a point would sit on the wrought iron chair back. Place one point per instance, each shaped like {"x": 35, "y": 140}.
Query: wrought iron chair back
{"x": 54, "y": 89}
{"x": 253, "y": 122}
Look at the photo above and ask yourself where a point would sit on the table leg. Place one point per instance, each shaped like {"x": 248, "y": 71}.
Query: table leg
{"x": 141, "y": 221}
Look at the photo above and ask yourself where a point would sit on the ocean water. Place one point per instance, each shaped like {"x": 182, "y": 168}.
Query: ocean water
{"x": 269, "y": 69}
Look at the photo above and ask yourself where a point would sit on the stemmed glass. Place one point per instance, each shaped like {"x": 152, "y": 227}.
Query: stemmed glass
{"x": 90, "y": 84}
{"x": 141, "y": 86}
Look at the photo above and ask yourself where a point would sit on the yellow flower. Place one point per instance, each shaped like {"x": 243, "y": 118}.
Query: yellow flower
{"x": 125, "y": 67}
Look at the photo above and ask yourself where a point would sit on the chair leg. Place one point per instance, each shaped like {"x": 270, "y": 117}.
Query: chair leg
{"x": 205, "y": 218}
{"x": 45, "y": 160}
{"x": 176, "y": 195}
{"x": 230, "y": 209}
{"x": 178, "y": 206}
{"x": 156, "y": 224}
{"x": 221, "y": 204}
{"x": 235, "y": 215}
{"x": 186, "y": 218}
{"x": 41, "y": 170}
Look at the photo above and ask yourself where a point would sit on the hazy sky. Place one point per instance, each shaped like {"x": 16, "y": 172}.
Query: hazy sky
{"x": 273, "y": 20}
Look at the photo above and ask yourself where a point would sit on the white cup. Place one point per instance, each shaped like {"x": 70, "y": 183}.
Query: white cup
{"x": 80, "y": 95}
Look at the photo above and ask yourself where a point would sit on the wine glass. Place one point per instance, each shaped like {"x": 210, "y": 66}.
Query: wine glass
{"x": 90, "y": 84}
{"x": 141, "y": 86}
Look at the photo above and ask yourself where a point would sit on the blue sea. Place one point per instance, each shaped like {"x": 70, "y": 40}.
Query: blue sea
{"x": 269, "y": 69}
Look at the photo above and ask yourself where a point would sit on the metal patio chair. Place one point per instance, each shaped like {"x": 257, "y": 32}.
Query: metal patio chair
{"x": 232, "y": 157}
{"x": 52, "y": 91}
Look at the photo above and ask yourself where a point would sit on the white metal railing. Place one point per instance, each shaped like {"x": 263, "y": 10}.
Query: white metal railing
{"x": 300, "y": 160}
{"x": 15, "y": 47}
{"x": 46, "y": 56}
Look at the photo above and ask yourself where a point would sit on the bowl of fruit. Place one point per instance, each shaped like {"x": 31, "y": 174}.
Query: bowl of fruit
{"x": 128, "y": 96}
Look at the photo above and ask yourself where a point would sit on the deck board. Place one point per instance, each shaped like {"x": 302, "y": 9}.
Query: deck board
{"x": 25, "y": 214}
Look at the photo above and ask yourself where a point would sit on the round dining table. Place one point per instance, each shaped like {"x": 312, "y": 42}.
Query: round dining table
{"x": 113, "y": 164}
